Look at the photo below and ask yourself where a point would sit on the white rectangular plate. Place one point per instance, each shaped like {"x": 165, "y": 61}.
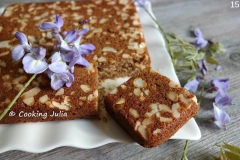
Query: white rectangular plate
{"x": 84, "y": 133}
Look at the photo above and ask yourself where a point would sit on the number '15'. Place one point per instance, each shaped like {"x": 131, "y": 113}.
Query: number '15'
{"x": 235, "y": 4}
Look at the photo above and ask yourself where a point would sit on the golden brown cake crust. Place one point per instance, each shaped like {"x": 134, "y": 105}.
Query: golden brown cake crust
{"x": 150, "y": 107}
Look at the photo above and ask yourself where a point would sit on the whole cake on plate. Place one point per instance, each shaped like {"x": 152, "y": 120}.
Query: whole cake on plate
{"x": 89, "y": 45}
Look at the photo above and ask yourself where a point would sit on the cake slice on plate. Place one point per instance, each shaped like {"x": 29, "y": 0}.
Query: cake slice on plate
{"x": 150, "y": 107}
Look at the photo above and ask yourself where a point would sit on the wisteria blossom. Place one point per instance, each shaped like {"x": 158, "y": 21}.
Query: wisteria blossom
{"x": 199, "y": 41}
{"x": 221, "y": 117}
{"x": 192, "y": 86}
{"x": 24, "y": 47}
{"x": 58, "y": 65}
{"x": 219, "y": 86}
{"x": 69, "y": 38}
{"x": 68, "y": 52}
{"x": 203, "y": 67}
{"x": 222, "y": 98}
{"x": 56, "y": 26}
{"x": 60, "y": 79}
{"x": 34, "y": 62}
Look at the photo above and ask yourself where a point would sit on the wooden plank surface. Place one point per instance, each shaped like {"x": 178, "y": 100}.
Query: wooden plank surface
{"x": 217, "y": 20}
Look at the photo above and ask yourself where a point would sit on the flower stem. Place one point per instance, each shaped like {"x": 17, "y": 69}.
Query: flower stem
{"x": 17, "y": 96}
{"x": 161, "y": 29}
{"x": 201, "y": 94}
{"x": 185, "y": 150}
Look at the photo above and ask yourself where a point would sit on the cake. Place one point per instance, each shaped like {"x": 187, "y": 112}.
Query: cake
{"x": 150, "y": 107}
{"x": 114, "y": 29}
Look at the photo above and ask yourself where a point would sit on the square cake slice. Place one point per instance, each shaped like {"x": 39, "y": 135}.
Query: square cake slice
{"x": 40, "y": 103}
{"x": 150, "y": 107}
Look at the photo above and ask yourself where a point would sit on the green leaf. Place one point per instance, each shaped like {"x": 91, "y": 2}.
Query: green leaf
{"x": 232, "y": 148}
{"x": 211, "y": 60}
{"x": 215, "y": 48}
{"x": 222, "y": 155}
{"x": 231, "y": 155}
{"x": 195, "y": 56}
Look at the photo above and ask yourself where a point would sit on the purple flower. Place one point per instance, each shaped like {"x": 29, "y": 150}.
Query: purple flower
{"x": 221, "y": 85}
{"x": 19, "y": 51}
{"x": 192, "y": 85}
{"x": 83, "y": 48}
{"x": 77, "y": 59}
{"x": 221, "y": 117}
{"x": 222, "y": 98}
{"x": 218, "y": 67}
{"x": 203, "y": 67}
{"x": 78, "y": 50}
{"x": 199, "y": 41}
{"x": 34, "y": 62}
{"x": 60, "y": 79}
{"x": 58, "y": 65}
{"x": 69, "y": 38}
{"x": 56, "y": 26}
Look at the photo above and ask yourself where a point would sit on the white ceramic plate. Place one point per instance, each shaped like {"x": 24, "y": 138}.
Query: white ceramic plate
{"x": 84, "y": 133}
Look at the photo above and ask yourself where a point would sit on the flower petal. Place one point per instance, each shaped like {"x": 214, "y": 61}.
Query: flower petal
{"x": 83, "y": 31}
{"x": 70, "y": 36}
{"x": 33, "y": 66}
{"x": 218, "y": 67}
{"x": 56, "y": 57}
{"x": 192, "y": 85}
{"x": 71, "y": 79}
{"x": 223, "y": 100}
{"x": 40, "y": 53}
{"x": 21, "y": 38}
{"x": 58, "y": 67}
{"x": 63, "y": 77}
{"x": 49, "y": 73}
{"x": 221, "y": 85}
{"x": 197, "y": 32}
{"x": 77, "y": 41}
{"x": 48, "y": 26}
{"x": 55, "y": 82}
{"x": 88, "y": 46}
{"x": 65, "y": 46}
{"x": 18, "y": 53}
{"x": 82, "y": 61}
{"x": 222, "y": 118}
{"x": 59, "y": 21}
{"x": 200, "y": 43}
{"x": 68, "y": 57}
{"x": 220, "y": 125}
